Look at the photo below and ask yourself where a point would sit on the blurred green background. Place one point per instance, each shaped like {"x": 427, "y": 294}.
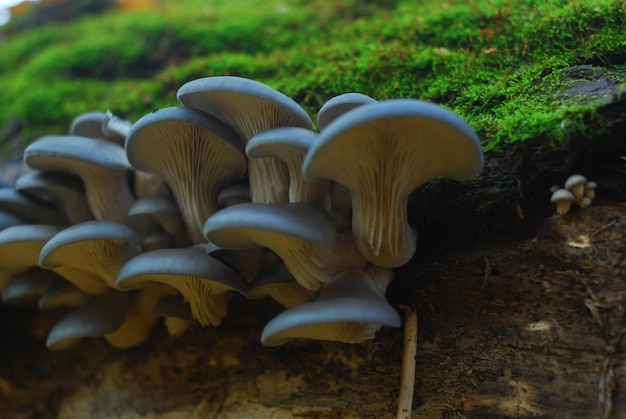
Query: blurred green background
{"x": 497, "y": 63}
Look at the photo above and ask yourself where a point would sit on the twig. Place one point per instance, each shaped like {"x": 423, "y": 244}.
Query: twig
{"x": 409, "y": 353}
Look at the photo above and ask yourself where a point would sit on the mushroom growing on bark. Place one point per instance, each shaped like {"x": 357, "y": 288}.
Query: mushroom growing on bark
{"x": 99, "y": 247}
{"x": 103, "y": 168}
{"x": 563, "y": 200}
{"x": 394, "y": 147}
{"x": 350, "y": 308}
{"x": 206, "y": 283}
{"x": 301, "y": 234}
{"x": 290, "y": 144}
{"x": 338, "y": 106}
{"x": 250, "y": 108}
{"x": 20, "y": 248}
{"x": 64, "y": 191}
{"x": 194, "y": 153}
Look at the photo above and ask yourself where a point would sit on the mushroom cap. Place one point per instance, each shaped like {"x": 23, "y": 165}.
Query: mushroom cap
{"x": 88, "y": 124}
{"x": 237, "y": 227}
{"x": 248, "y": 106}
{"x": 431, "y": 140}
{"x": 20, "y": 245}
{"x": 25, "y": 288}
{"x": 394, "y": 147}
{"x": 194, "y": 153}
{"x": 276, "y": 281}
{"x": 575, "y": 180}
{"x": 30, "y": 209}
{"x": 338, "y": 105}
{"x": 102, "y": 315}
{"x": 69, "y": 153}
{"x": 62, "y": 294}
{"x": 561, "y": 195}
{"x": 290, "y": 145}
{"x": 206, "y": 283}
{"x": 282, "y": 143}
{"x": 348, "y": 299}
{"x": 99, "y": 247}
{"x": 66, "y": 192}
{"x": 236, "y": 193}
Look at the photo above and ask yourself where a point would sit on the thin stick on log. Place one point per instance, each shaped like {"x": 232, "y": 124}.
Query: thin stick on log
{"x": 409, "y": 353}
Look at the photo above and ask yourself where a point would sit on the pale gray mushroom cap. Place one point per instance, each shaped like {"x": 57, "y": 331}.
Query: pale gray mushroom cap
{"x": 165, "y": 211}
{"x": 98, "y": 247}
{"x": 88, "y": 124}
{"x": 276, "y": 281}
{"x": 349, "y": 309}
{"x": 249, "y": 107}
{"x": 234, "y": 194}
{"x": 194, "y": 153}
{"x": 62, "y": 294}
{"x": 393, "y": 147}
{"x": 101, "y": 165}
{"x": 66, "y": 192}
{"x": 20, "y": 245}
{"x": 563, "y": 200}
{"x": 338, "y": 106}
{"x": 301, "y": 234}
{"x": 102, "y": 315}
{"x": 30, "y": 209}
{"x": 290, "y": 145}
{"x": 206, "y": 283}
{"x": 25, "y": 288}
{"x": 238, "y": 227}
{"x": 576, "y": 185}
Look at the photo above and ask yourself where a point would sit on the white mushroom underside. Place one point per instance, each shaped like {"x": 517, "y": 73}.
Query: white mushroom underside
{"x": 194, "y": 172}
{"x": 312, "y": 265}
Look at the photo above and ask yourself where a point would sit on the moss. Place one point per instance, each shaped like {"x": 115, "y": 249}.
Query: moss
{"x": 497, "y": 63}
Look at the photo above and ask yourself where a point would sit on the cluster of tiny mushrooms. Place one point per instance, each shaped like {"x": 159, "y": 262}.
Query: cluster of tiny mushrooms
{"x": 233, "y": 191}
{"x": 577, "y": 190}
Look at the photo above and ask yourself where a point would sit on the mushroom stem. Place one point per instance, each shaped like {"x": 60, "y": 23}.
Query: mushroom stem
{"x": 409, "y": 353}
{"x": 113, "y": 126}
{"x": 381, "y": 228}
{"x": 269, "y": 180}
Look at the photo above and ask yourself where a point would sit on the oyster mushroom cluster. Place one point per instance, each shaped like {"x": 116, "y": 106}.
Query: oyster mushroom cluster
{"x": 577, "y": 190}
{"x": 231, "y": 193}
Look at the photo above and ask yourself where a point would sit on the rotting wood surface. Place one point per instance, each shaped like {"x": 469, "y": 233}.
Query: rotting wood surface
{"x": 524, "y": 329}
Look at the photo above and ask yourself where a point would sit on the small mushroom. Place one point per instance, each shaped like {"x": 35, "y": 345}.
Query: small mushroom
{"x": 100, "y": 316}
{"x": 250, "y": 108}
{"x": 30, "y": 209}
{"x": 394, "y": 147}
{"x": 277, "y": 283}
{"x": 26, "y": 287}
{"x": 563, "y": 200}
{"x": 66, "y": 192}
{"x": 302, "y": 235}
{"x": 349, "y": 309}
{"x": 194, "y": 153}
{"x": 338, "y": 106}
{"x": 233, "y": 194}
{"x": 206, "y": 283}
{"x": 115, "y": 128}
{"x": 62, "y": 294}
{"x": 576, "y": 185}
{"x": 584, "y": 202}
{"x": 99, "y": 247}
{"x": 590, "y": 189}
{"x": 101, "y": 165}
{"x": 20, "y": 248}
{"x": 88, "y": 124}
{"x": 165, "y": 212}
{"x": 290, "y": 144}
